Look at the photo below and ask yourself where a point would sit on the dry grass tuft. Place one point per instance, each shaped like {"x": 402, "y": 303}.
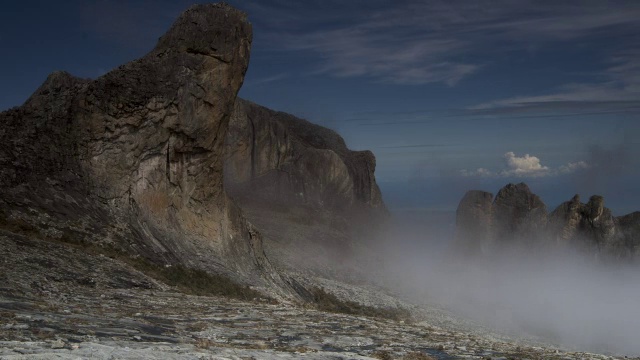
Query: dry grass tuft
{"x": 417, "y": 356}
{"x": 204, "y": 343}
{"x": 328, "y": 302}
{"x": 382, "y": 355}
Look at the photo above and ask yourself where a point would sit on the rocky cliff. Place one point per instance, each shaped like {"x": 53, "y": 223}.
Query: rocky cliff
{"x": 517, "y": 217}
{"x": 474, "y": 223}
{"x": 514, "y": 217}
{"x": 589, "y": 226}
{"x": 300, "y": 185}
{"x": 629, "y": 226}
{"x": 134, "y": 159}
{"x": 280, "y": 158}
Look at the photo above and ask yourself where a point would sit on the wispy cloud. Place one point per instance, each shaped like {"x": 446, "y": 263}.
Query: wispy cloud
{"x": 385, "y": 57}
{"x": 269, "y": 79}
{"x": 618, "y": 92}
{"x": 418, "y": 42}
{"x": 526, "y": 166}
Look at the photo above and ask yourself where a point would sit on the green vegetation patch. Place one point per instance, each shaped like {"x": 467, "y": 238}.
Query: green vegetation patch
{"x": 196, "y": 282}
{"x": 326, "y": 301}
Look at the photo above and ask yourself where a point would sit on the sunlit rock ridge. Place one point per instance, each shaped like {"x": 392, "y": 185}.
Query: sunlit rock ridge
{"x": 517, "y": 218}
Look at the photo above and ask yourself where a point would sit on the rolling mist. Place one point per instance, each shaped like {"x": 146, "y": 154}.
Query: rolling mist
{"x": 565, "y": 299}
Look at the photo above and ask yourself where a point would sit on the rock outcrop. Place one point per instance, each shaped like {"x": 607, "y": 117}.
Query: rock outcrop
{"x": 280, "y": 158}
{"x": 134, "y": 159}
{"x": 474, "y": 222}
{"x": 301, "y": 186}
{"x": 589, "y": 225}
{"x": 518, "y": 214}
{"x": 487, "y": 224}
{"x": 519, "y": 218}
{"x": 629, "y": 226}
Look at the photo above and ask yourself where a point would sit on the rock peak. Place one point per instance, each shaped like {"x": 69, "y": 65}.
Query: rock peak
{"x": 135, "y": 156}
{"x": 517, "y": 214}
{"x": 206, "y": 29}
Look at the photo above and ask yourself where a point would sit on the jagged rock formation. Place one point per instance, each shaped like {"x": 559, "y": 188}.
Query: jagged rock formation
{"x": 589, "y": 225}
{"x": 300, "y": 185}
{"x": 134, "y": 159}
{"x": 519, "y": 217}
{"x": 513, "y": 217}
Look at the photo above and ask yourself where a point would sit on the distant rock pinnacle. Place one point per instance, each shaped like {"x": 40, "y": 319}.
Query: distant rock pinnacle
{"x": 518, "y": 218}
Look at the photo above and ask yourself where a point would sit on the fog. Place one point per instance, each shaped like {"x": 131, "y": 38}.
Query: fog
{"x": 564, "y": 299}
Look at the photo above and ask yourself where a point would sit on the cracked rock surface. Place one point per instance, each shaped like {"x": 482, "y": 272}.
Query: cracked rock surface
{"x": 57, "y": 302}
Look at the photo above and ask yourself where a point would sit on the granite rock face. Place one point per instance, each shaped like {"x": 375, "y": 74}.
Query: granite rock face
{"x": 134, "y": 159}
{"x": 299, "y": 184}
{"x": 514, "y": 217}
{"x": 517, "y": 217}
{"x": 474, "y": 222}
{"x": 292, "y": 160}
{"x": 518, "y": 213}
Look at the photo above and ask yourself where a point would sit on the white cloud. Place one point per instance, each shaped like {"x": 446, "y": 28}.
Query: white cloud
{"x": 525, "y": 166}
{"x": 620, "y": 91}
{"x": 269, "y": 79}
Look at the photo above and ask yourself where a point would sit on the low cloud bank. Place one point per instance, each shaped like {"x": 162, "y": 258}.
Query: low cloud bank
{"x": 566, "y": 300}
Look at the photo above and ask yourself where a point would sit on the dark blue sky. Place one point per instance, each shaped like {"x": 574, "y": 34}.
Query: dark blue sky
{"x": 449, "y": 95}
